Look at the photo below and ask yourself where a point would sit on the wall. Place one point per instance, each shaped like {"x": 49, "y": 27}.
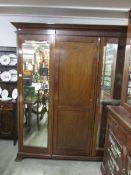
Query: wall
{"x": 7, "y": 30}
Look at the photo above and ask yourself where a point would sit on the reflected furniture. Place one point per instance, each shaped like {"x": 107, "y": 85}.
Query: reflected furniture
{"x": 112, "y": 54}
{"x": 72, "y": 84}
{"x": 28, "y": 110}
{"x": 103, "y": 122}
{"x": 36, "y": 104}
{"x": 117, "y": 157}
{"x": 8, "y": 107}
{"x": 39, "y": 107}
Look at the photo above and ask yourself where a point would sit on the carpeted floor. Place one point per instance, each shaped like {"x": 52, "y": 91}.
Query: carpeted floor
{"x": 42, "y": 166}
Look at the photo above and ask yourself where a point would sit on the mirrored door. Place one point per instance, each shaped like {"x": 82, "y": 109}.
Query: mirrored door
{"x": 35, "y": 98}
{"x": 35, "y": 93}
{"x": 108, "y": 56}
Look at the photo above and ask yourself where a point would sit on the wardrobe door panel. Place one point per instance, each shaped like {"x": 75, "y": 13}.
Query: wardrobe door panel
{"x": 73, "y": 73}
{"x": 35, "y": 93}
{"x": 73, "y": 128}
{"x": 75, "y": 80}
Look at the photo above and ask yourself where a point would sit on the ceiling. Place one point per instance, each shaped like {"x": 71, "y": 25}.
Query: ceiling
{"x": 111, "y": 12}
{"x": 123, "y": 5}
{"x": 94, "y": 8}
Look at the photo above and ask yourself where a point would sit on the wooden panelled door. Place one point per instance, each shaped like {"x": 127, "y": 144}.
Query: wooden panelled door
{"x": 76, "y": 64}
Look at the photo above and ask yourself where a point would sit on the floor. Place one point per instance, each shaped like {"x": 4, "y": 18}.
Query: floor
{"x": 42, "y": 166}
{"x": 37, "y": 137}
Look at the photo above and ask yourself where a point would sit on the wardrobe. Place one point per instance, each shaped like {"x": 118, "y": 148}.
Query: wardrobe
{"x": 70, "y": 74}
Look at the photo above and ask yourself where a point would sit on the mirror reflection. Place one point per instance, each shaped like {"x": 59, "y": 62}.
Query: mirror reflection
{"x": 35, "y": 93}
{"x": 108, "y": 57}
{"x": 128, "y": 99}
{"x": 109, "y": 53}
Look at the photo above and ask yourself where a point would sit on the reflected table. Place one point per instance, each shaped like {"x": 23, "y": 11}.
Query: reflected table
{"x": 103, "y": 122}
{"x": 28, "y": 103}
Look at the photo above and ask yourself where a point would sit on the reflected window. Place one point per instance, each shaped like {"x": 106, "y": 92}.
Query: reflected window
{"x": 128, "y": 99}
{"x": 108, "y": 56}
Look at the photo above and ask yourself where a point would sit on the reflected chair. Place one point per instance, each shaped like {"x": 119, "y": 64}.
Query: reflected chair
{"x": 39, "y": 107}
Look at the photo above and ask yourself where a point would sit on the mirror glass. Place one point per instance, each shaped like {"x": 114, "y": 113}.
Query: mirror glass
{"x": 128, "y": 98}
{"x": 35, "y": 93}
{"x": 109, "y": 54}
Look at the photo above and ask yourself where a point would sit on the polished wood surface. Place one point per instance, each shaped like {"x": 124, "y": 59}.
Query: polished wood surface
{"x": 75, "y": 83}
{"x": 118, "y": 138}
{"x": 74, "y": 76}
{"x": 8, "y": 120}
